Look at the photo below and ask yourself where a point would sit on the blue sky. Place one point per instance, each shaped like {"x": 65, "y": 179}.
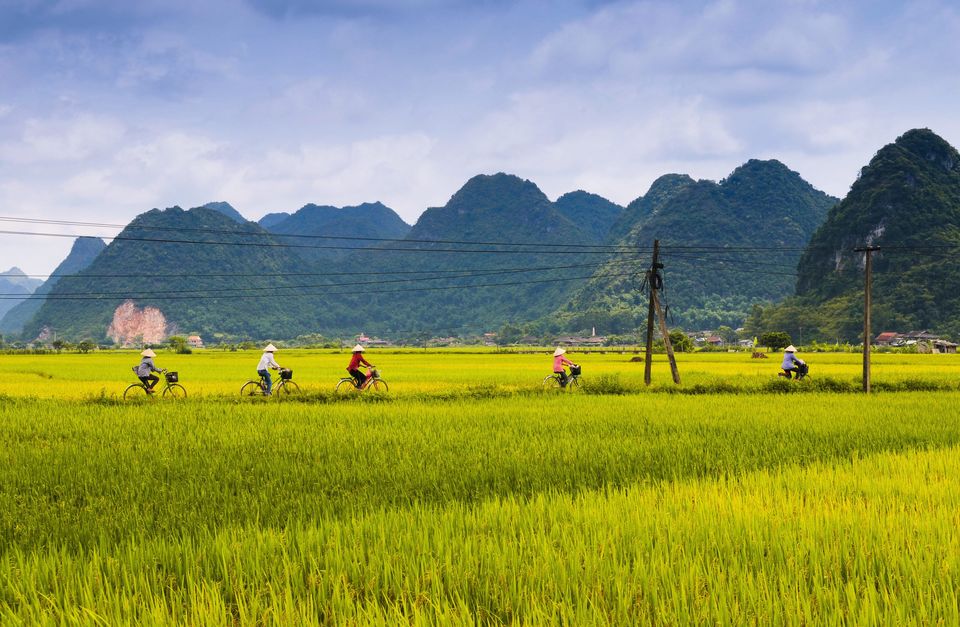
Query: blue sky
{"x": 109, "y": 108}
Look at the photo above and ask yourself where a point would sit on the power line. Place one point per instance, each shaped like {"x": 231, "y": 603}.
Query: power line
{"x": 193, "y": 275}
{"x": 571, "y": 248}
{"x": 686, "y": 257}
{"x": 734, "y": 249}
{"x": 266, "y": 233}
{"x": 245, "y": 296}
{"x": 322, "y": 286}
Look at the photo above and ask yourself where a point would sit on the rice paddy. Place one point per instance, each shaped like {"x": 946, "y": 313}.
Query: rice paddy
{"x": 467, "y": 495}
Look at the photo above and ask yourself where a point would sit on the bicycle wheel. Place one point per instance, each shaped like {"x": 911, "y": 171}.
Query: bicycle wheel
{"x": 345, "y": 386}
{"x": 175, "y": 391}
{"x": 135, "y": 392}
{"x": 251, "y": 388}
{"x": 574, "y": 383}
{"x": 551, "y": 383}
{"x": 286, "y": 388}
{"x": 378, "y": 385}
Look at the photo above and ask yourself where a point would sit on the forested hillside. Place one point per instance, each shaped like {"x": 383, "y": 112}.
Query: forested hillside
{"x": 595, "y": 215}
{"x": 761, "y": 204}
{"x": 475, "y": 287}
{"x": 225, "y": 277}
{"x": 906, "y": 201}
{"x": 369, "y": 220}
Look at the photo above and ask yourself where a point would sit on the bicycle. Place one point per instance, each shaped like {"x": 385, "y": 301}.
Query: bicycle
{"x": 171, "y": 388}
{"x": 802, "y": 372}
{"x": 554, "y": 382}
{"x": 348, "y": 384}
{"x": 284, "y": 387}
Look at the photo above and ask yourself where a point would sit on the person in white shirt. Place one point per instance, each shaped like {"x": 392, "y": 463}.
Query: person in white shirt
{"x": 266, "y": 362}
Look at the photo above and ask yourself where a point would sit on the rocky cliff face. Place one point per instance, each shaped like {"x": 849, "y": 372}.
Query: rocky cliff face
{"x": 133, "y": 325}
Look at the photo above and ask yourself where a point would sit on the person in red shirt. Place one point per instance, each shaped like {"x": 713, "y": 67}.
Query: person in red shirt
{"x": 354, "y": 367}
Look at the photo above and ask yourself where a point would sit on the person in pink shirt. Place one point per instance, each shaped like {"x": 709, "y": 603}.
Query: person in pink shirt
{"x": 559, "y": 361}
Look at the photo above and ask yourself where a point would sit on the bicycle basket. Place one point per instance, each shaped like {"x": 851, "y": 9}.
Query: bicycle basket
{"x": 286, "y": 374}
{"x": 172, "y": 377}
{"x": 575, "y": 370}
{"x": 374, "y": 373}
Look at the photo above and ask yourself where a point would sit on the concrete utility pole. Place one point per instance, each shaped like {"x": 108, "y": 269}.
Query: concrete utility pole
{"x": 867, "y": 302}
{"x": 654, "y": 284}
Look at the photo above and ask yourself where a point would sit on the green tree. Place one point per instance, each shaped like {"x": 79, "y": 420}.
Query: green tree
{"x": 179, "y": 344}
{"x": 509, "y": 334}
{"x": 681, "y": 342}
{"x": 775, "y": 340}
{"x": 85, "y": 346}
{"x": 729, "y": 335}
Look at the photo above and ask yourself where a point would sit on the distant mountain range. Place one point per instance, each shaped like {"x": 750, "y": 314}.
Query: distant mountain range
{"x": 82, "y": 254}
{"x": 13, "y": 284}
{"x": 499, "y": 252}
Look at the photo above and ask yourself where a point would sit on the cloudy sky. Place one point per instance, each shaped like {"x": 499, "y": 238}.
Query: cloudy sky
{"x": 111, "y": 107}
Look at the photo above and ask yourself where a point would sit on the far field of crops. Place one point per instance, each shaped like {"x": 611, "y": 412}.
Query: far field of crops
{"x": 468, "y": 495}
{"x": 221, "y": 373}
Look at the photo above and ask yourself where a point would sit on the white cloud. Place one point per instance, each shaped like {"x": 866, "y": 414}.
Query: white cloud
{"x": 161, "y": 106}
{"x": 392, "y": 168}
{"x": 51, "y": 140}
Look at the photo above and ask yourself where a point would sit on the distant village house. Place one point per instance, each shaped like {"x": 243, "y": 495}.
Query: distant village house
{"x": 925, "y": 341}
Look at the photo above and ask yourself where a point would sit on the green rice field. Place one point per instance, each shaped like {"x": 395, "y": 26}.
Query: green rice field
{"x": 468, "y": 495}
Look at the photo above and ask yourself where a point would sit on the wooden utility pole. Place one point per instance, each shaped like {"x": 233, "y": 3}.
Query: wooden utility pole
{"x": 654, "y": 284}
{"x": 650, "y": 312}
{"x": 867, "y": 301}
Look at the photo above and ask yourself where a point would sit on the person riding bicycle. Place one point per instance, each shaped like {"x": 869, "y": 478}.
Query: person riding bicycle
{"x": 146, "y": 369}
{"x": 266, "y": 362}
{"x": 793, "y": 364}
{"x": 354, "y": 368}
{"x": 559, "y": 361}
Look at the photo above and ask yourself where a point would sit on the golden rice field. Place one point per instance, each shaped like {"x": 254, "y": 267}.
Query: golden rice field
{"x": 466, "y": 495}
{"x": 221, "y": 373}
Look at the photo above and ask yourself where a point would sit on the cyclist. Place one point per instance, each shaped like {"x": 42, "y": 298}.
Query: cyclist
{"x": 146, "y": 369}
{"x": 793, "y": 364}
{"x": 266, "y": 362}
{"x": 559, "y": 361}
{"x": 354, "y": 368}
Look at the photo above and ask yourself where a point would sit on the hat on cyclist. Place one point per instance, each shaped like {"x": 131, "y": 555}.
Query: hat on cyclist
{"x": 790, "y": 349}
{"x": 148, "y": 353}
{"x": 358, "y": 349}
{"x": 559, "y": 352}
{"x": 269, "y": 348}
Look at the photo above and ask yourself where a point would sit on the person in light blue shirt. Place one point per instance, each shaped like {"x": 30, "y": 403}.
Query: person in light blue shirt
{"x": 793, "y": 364}
{"x": 146, "y": 369}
